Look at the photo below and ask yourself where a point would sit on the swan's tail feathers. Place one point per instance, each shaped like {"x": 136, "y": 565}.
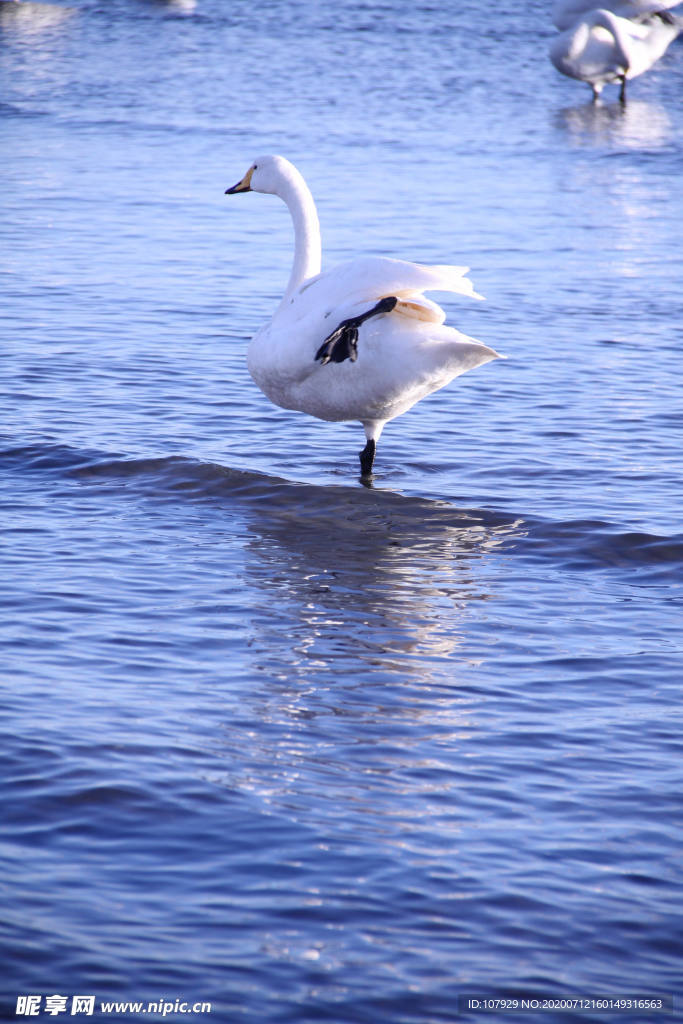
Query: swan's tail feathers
{"x": 483, "y": 354}
{"x": 469, "y": 353}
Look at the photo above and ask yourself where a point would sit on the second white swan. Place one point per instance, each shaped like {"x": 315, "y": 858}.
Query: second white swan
{"x": 602, "y": 47}
{"x": 359, "y": 341}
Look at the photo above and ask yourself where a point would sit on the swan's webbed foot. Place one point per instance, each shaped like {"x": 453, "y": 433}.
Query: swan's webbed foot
{"x": 342, "y": 343}
{"x": 367, "y": 457}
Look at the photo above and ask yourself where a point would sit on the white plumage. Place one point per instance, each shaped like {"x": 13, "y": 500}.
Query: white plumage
{"x": 602, "y": 47}
{"x": 360, "y": 341}
{"x": 567, "y": 12}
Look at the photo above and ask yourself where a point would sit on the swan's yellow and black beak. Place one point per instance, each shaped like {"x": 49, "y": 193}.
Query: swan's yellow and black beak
{"x": 242, "y": 186}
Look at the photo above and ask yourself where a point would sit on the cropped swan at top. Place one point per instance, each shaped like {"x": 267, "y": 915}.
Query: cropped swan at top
{"x": 602, "y": 47}
{"x": 567, "y": 12}
{"x": 359, "y": 341}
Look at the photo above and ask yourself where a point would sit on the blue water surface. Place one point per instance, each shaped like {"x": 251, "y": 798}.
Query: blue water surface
{"x": 273, "y": 740}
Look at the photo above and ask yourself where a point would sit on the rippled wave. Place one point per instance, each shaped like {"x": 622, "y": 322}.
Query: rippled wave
{"x": 326, "y": 510}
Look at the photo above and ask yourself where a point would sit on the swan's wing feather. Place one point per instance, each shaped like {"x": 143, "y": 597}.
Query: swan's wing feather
{"x": 370, "y": 278}
{"x": 350, "y": 289}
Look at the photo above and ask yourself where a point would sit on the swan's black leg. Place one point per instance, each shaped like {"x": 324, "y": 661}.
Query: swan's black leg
{"x": 342, "y": 343}
{"x": 622, "y": 91}
{"x": 367, "y": 457}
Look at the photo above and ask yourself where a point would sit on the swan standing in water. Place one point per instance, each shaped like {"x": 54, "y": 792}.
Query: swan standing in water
{"x": 602, "y": 48}
{"x": 360, "y": 341}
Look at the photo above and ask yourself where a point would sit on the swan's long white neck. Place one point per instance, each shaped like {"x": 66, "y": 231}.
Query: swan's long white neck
{"x": 605, "y": 19}
{"x": 307, "y": 245}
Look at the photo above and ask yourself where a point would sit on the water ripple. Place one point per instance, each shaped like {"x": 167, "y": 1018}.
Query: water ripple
{"x": 312, "y": 511}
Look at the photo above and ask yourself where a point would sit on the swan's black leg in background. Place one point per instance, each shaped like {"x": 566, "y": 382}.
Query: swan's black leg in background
{"x": 367, "y": 457}
{"x": 342, "y": 343}
{"x": 622, "y": 91}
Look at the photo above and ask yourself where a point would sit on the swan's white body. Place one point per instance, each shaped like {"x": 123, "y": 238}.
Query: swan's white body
{"x": 567, "y": 12}
{"x": 602, "y": 47}
{"x": 402, "y": 355}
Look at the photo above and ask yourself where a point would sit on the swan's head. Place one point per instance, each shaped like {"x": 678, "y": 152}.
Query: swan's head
{"x": 266, "y": 174}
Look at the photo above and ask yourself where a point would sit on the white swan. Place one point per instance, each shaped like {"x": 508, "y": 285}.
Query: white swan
{"x": 360, "y": 341}
{"x": 567, "y": 12}
{"x": 602, "y": 48}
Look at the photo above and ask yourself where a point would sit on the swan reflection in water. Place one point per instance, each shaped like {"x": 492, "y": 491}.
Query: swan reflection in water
{"x": 176, "y": 6}
{"x": 28, "y": 18}
{"x": 376, "y": 587}
{"x": 359, "y": 632}
{"x": 634, "y": 126}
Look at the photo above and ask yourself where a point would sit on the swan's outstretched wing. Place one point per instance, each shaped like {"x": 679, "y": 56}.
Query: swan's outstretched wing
{"x": 370, "y": 278}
